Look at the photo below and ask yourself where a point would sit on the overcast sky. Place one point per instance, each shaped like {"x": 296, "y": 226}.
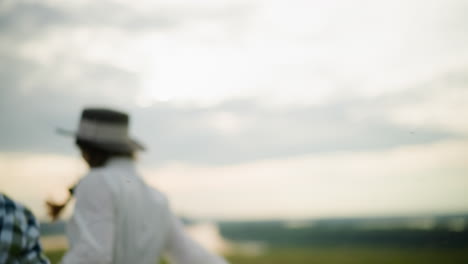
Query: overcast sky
{"x": 249, "y": 109}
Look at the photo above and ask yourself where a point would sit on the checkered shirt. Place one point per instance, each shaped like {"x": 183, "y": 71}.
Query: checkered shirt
{"x": 19, "y": 234}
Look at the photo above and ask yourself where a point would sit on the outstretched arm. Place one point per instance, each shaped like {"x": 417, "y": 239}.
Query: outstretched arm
{"x": 181, "y": 249}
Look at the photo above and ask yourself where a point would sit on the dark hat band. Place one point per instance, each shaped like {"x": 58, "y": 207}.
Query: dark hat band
{"x": 100, "y": 131}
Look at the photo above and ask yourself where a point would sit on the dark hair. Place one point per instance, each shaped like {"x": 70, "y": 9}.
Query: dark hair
{"x": 99, "y": 156}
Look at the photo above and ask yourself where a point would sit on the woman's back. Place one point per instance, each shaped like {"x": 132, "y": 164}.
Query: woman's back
{"x": 118, "y": 218}
{"x": 141, "y": 215}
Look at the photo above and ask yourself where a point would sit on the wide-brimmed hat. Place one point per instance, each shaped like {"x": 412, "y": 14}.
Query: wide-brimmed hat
{"x": 105, "y": 129}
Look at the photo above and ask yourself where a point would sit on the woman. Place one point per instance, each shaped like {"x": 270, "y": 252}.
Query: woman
{"x": 118, "y": 218}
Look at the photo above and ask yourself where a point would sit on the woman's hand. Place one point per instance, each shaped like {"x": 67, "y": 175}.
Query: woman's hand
{"x": 55, "y": 209}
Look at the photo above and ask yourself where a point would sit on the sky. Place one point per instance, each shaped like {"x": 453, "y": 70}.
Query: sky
{"x": 249, "y": 109}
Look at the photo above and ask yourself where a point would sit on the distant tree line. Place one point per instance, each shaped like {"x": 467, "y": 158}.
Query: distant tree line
{"x": 345, "y": 234}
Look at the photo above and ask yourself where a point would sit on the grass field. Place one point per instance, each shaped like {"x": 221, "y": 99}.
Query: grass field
{"x": 343, "y": 256}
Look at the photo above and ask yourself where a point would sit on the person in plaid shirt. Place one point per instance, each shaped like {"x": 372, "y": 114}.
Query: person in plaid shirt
{"x": 19, "y": 234}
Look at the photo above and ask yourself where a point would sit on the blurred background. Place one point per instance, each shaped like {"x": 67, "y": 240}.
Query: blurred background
{"x": 330, "y": 131}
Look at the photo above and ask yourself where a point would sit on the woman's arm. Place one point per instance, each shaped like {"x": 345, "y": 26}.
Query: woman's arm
{"x": 181, "y": 249}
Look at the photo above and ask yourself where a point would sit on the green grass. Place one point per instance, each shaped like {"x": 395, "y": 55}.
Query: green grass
{"x": 356, "y": 256}
{"x": 343, "y": 256}
{"x": 55, "y": 256}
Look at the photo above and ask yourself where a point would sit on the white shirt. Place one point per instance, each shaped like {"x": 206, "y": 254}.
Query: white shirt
{"x": 119, "y": 219}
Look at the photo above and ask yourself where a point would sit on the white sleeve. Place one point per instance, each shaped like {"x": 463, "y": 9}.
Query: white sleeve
{"x": 90, "y": 230}
{"x": 181, "y": 249}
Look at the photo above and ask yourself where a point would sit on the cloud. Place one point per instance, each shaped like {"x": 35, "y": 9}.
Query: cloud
{"x": 33, "y": 104}
{"x": 336, "y": 83}
{"x": 23, "y": 19}
{"x": 408, "y": 180}
{"x": 26, "y": 20}
{"x": 303, "y": 51}
{"x": 255, "y": 133}
{"x": 436, "y": 104}
{"x": 233, "y": 131}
